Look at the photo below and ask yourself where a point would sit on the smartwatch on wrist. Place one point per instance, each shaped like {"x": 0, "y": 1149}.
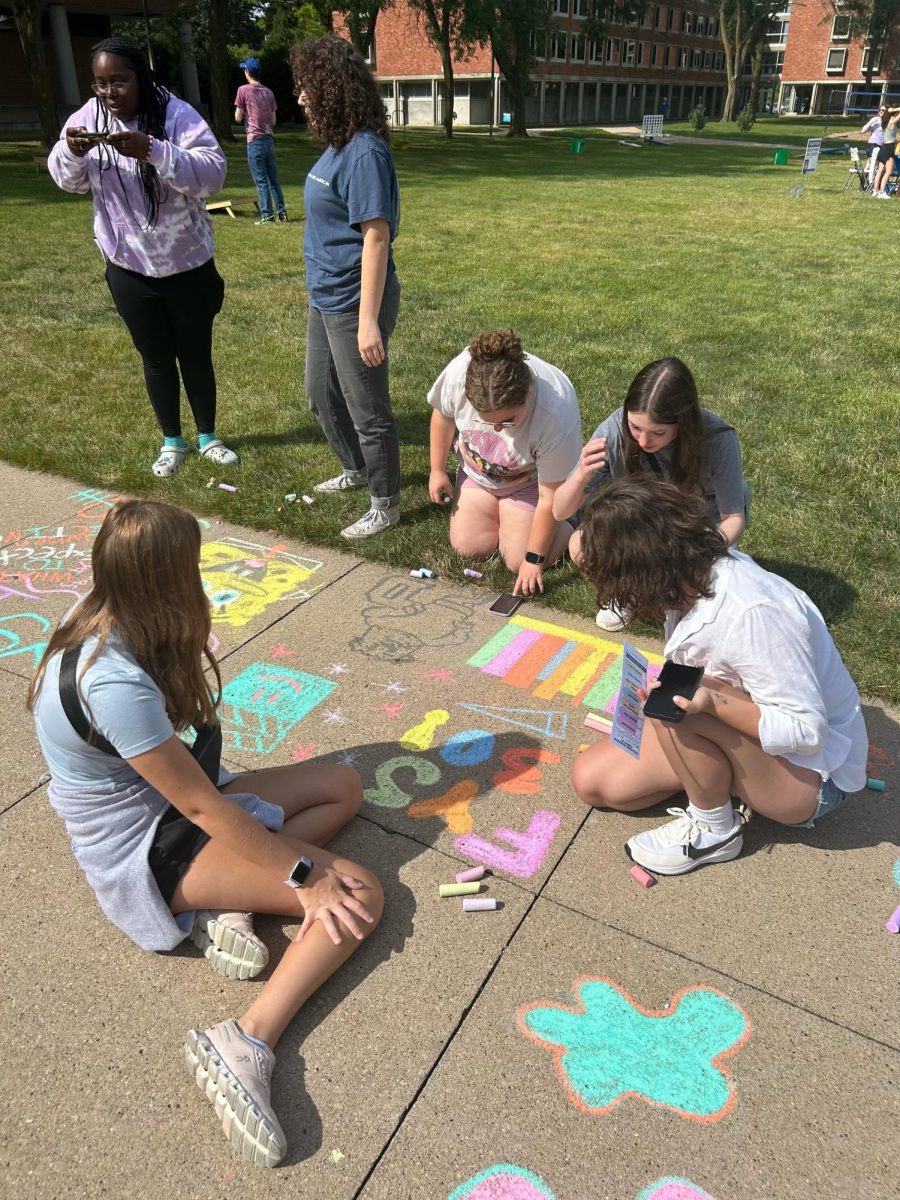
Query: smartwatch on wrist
{"x": 531, "y": 557}
{"x": 298, "y": 875}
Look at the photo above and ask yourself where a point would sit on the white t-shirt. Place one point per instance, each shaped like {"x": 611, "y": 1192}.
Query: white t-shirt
{"x": 545, "y": 444}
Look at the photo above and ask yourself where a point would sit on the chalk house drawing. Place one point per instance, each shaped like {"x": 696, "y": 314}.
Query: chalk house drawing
{"x": 503, "y": 1181}
{"x": 262, "y": 704}
{"x": 402, "y": 621}
{"x": 610, "y": 1048}
{"x": 243, "y": 579}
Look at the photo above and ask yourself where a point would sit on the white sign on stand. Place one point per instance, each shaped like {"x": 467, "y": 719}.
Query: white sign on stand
{"x": 811, "y": 157}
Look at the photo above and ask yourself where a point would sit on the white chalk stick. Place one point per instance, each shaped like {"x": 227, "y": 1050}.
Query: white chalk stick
{"x": 483, "y": 904}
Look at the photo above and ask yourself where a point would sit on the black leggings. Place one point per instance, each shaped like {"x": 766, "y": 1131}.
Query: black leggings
{"x": 170, "y": 320}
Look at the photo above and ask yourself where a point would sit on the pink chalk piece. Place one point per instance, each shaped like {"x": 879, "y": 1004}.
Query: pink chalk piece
{"x": 530, "y": 847}
{"x": 643, "y": 878}
{"x": 227, "y": 487}
{"x": 893, "y": 923}
{"x": 472, "y": 574}
{"x": 257, "y": 563}
{"x": 471, "y": 875}
{"x": 307, "y": 499}
{"x": 479, "y": 904}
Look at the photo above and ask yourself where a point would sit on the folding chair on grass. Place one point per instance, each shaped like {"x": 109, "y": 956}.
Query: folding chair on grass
{"x": 856, "y": 171}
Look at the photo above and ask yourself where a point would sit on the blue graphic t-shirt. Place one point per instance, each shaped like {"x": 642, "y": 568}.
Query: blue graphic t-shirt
{"x": 346, "y": 187}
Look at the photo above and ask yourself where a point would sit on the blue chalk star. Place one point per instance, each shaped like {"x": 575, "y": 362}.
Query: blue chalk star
{"x": 611, "y": 1048}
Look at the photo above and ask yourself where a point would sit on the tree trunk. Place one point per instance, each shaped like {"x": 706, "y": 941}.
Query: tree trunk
{"x": 28, "y": 23}
{"x": 756, "y": 77}
{"x": 220, "y": 102}
{"x": 515, "y": 72}
{"x": 449, "y": 93}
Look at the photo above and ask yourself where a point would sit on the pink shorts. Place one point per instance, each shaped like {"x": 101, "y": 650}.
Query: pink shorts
{"x": 525, "y": 496}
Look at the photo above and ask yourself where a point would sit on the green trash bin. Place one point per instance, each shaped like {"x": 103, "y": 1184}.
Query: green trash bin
{"x": 577, "y": 145}
{"x": 780, "y": 158}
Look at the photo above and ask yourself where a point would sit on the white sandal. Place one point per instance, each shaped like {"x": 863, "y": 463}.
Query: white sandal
{"x": 169, "y": 461}
{"x": 219, "y": 453}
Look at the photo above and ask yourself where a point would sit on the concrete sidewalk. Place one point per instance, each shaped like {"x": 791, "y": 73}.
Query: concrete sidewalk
{"x": 729, "y": 1034}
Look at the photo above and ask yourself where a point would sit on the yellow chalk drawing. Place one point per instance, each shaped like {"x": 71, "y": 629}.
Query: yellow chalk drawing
{"x": 421, "y": 736}
{"x": 453, "y": 806}
{"x": 242, "y": 579}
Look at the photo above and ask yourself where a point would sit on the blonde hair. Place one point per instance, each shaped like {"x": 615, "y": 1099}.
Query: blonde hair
{"x": 147, "y": 592}
{"x": 497, "y": 376}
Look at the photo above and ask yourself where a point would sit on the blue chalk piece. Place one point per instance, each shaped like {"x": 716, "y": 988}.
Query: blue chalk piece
{"x": 875, "y": 785}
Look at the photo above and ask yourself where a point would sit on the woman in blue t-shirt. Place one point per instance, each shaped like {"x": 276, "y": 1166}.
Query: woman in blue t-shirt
{"x": 172, "y": 846}
{"x": 352, "y": 203}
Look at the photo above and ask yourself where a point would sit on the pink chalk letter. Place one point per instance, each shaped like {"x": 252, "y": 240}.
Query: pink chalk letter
{"x": 530, "y": 847}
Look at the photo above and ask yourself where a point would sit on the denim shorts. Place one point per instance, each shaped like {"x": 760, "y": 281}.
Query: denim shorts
{"x": 830, "y": 798}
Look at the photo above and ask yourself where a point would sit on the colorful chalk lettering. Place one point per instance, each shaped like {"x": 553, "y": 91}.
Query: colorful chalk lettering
{"x": 32, "y": 626}
{"x": 554, "y": 663}
{"x": 673, "y": 1188}
{"x": 262, "y": 704}
{"x": 453, "y": 806}
{"x": 609, "y": 1048}
{"x": 518, "y": 777}
{"x": 530, "y": 848}
{"x": 549, "y": 723}
{"x": 420, "y": 736}
{"x": 467, "y": 748}
{"x": 238, "y": 592}
{"x": 387, "y": 793}
{"x": 503, "y": 1181}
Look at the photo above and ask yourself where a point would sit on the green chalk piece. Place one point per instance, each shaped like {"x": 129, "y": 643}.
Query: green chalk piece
{"x": 875, "y": 785}
{"x": 459, "y": 889}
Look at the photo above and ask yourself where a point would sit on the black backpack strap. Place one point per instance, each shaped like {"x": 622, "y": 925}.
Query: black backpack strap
{"x": 207, "y": 749}
{"x": 72, "y": 706}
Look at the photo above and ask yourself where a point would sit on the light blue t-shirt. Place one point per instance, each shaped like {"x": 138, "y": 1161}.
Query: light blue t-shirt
{"x": 346, "y": 187}
{"x": 123, "y": 702}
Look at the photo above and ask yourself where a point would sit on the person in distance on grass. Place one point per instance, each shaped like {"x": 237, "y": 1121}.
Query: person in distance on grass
{"x": 517, "y": 429}
{"x": 256, "y": 103}
{"x": 147, "y": 159}
{"x": 776, "y": 722}
{"x": 890, "y": 119}
{"x": 352, "y": 203}
{"x": 661, "y": 430}
{"x": 874, "y": 130}
{"x": 172, "y": 845}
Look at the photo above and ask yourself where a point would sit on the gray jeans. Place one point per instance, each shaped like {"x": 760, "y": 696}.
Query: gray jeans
{"x": 351, "y": 401}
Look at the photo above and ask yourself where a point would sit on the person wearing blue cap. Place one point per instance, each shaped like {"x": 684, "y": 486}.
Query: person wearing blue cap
{"x": 256, "y": 103}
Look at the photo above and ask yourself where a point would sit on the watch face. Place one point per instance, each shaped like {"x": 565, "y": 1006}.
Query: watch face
{"x": 300, "y": 872}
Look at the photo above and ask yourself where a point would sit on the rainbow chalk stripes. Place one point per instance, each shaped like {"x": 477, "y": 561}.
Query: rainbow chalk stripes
{"x": 553, "y": 663}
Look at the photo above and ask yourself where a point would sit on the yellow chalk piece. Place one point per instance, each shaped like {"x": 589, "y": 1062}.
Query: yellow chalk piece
{"x": 459, "y": 889}
{"x": 453, "y": 806}
{"x": 337, "y": 1156}
{"x": 421, "y": 736}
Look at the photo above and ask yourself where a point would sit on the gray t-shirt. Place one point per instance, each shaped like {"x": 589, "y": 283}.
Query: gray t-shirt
{"x": 721, "y": 472}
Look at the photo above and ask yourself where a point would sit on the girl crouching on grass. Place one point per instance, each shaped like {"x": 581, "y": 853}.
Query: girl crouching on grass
{"x": 172, "y": 846}
{"x": 517, "y": 430}
{"x": 661, "y": 431}
{"x": 776, "y": 723}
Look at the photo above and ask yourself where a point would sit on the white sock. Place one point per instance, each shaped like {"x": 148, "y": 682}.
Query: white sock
{"x": 719, "y": 820}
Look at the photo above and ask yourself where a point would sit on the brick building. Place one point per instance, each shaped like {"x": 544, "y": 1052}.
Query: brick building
{"x": 673, "y": 52}
{"x": 824, "y": 69}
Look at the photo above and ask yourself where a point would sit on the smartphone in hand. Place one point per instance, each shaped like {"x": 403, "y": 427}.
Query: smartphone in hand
{"x": 675, "y": 679}
{"x": 88, "y": 137}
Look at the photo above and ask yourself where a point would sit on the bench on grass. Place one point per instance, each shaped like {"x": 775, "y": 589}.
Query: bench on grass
{"x": 230, "y": 205}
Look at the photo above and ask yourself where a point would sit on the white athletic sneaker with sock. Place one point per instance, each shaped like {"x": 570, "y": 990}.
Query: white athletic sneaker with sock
{"x": 341, "y": 483}
{"x": 696, "y": 836}
{"x": 235, "y": 1075}
{"x": 229, "y": 942}
{"x": 374, "y": 521}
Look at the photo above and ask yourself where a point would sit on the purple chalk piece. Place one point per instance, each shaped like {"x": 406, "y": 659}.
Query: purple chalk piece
{"x": 893, "y": 924}
{"x": 471, "y": 875}
{"x": 307, "y": 499}
{"x": 472, "y": 574}
{"x": 227, "y": 487}
{"x": 479, "y": 904}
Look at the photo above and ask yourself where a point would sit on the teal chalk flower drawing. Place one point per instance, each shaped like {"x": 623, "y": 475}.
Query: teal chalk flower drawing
{"x": 610, "y": 1047}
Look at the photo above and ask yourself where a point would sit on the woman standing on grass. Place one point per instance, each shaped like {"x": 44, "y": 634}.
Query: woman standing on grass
{"x": 147, "y": 159}
{"x": 777, "y": 721}
{"x": 352, "y": 202}
{"x": 662, "y": 430}
{"x": 517, "y": 430}
{"x": 886, "y": 155}
{"x": 172, "y": 846}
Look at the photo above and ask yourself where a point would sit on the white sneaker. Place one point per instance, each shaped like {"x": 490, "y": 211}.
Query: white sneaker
{"x": 612, "y": 620}
{"x": 374, "y": 521}
{"x": 341, "y": 483}
{"x": 680, "y": 845}
{"x": 235, "y": 1075}
{"x": 229, "y": 942}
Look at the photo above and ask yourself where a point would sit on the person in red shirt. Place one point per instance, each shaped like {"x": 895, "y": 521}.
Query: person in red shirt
{"x": 256, "y": 103}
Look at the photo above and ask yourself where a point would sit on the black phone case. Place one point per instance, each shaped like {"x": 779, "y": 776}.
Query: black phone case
{"x": 663, "y": 708}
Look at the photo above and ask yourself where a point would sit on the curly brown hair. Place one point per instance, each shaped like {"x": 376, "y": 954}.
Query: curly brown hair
{"x": 342, "y": 96}
{"x": 647, "y": 547}
{"x": 497, "y": 376}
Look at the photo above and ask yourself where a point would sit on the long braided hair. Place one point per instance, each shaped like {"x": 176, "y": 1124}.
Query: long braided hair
{"x": 151, "y": 118}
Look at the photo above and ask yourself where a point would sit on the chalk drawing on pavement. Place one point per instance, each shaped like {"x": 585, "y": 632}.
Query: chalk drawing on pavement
{"x": 262, "y": 704}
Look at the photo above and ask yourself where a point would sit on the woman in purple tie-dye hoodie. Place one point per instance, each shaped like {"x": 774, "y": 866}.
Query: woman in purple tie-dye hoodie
{"x": 148, "y": 159}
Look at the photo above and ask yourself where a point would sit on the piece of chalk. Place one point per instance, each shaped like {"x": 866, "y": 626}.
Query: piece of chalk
{"x": 641, "y": 876}
{"x": 415, "y": 574}
{"x": 290, "y": 498}
{"x": 448, "y": 499}
{"x": 482, "y": 905}
{"x": 471, "y": 875}
{"x": 227, "y": 487}
{"x": 892, "y": 926}
{"x": 307, "y": 499}
{"x": 459, "y": 889}
{"x": 875, "y": 785}
{"x": 425, "y": 573}
{"x": 472, "y": 574}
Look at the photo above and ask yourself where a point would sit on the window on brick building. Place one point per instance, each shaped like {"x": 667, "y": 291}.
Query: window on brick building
{"x": 698, "y": 60}
{"x": 707, "y": 60}
{"x": 558, "y": 46}
{"x": 687, "y": 21}
{"x": 579, "y": 8}
{"x": 700, "y": 25}
{"x": 684, "y": 59}
{"x": 670, "y": 20}
{"x": 720, "y": 60}
{"x": 836, "y": 61}
{"x": 840, "y": 29}
{"x": 628, "y": 52}
{"x": 642, "y": 56}
{"x": 658, "y": 17}
{"x": 595, "y": 50}
{"x": 647, "y": 18}
{"x": 613, "y": 50}
{"x": 561, "y": 7}
{"x": 712, "y": 27}
{"x": 656, "y": 55}
{"x": 579, "y": 45}
{"x": 539, "y": 44}
{"x": 670, "y": 56}
{"x": 864, "y": 63}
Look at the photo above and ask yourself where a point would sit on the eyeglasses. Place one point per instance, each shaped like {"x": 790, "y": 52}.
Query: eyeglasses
{"x": 506, "y": 424}
{"x": 110, "y": 89}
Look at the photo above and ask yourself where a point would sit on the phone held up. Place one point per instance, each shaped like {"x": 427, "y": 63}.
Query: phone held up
{"x": 88, "y": 138}
{"x": 506, "y": 605}
{"x": 675, "y": 679}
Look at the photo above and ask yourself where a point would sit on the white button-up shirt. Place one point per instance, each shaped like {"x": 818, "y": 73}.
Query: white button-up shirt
{"x": 762, "y": 634}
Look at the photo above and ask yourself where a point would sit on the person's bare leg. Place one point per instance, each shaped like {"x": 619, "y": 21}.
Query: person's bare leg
{"x": 606, "y": 777}
{"x": 515, "y": 530}
{"x": 474, "y": 523}
{"x": 318, "y": 798}
{"x": 575, "y": 548}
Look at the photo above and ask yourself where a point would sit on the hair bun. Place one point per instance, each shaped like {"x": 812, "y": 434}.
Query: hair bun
{"x": 498, "y": 343}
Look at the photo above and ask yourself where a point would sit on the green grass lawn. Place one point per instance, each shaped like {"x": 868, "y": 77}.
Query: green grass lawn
{"x": 786, "y": 131}
{"x": 601, "y": 262}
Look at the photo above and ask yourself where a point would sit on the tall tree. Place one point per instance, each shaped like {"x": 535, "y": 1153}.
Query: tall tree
{"x": 872, "y": 20}
{"x": 27, "y": 15}
{"x": 443, "y": 21}
{"x": 742, "y": 27}
{"x": 362, "y": 17}
{"x": 220, "y": 93}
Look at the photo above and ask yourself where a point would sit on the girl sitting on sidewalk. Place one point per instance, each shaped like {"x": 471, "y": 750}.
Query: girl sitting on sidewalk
{"x": 173, "y": 846}
{"x": 777, "y": 721}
